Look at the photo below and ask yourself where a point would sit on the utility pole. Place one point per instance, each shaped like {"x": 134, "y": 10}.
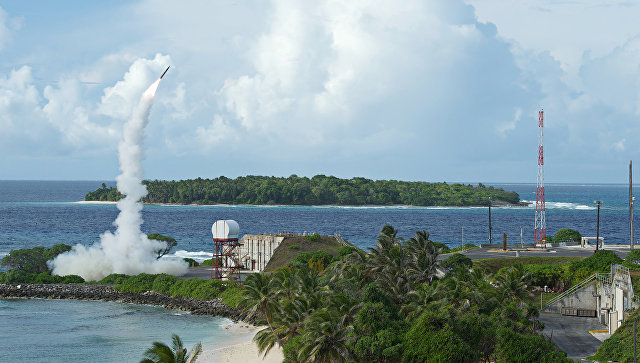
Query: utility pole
{"x": 521, "y": 239}
{"x": 635, "y": 348}
{"x": 631, "y": 247}
{"x": 462, "y": 240}
{"x": 598, "y": 225}
{"x": 490, "y": 241}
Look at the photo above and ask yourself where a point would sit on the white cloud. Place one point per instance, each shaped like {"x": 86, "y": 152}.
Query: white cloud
{"x": 505, "y": 128}
{"x": 118, "y": 101}
{"x": 7, "y": 25}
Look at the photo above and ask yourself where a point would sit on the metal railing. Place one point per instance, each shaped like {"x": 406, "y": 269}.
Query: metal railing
{"x": 340, "y": 240}
{"x": 573, "y": 289}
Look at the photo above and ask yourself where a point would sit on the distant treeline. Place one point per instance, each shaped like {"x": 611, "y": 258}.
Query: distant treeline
{"x": 319, "y": 190}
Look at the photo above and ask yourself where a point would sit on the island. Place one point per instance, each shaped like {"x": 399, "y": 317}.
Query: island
{"x": 318, "y": 190}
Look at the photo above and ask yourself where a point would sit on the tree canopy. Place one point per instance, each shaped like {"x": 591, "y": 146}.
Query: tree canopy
{"x": 318, "y": 190}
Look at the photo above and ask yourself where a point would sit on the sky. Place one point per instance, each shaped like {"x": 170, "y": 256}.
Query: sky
{"x": 430, "y": 90}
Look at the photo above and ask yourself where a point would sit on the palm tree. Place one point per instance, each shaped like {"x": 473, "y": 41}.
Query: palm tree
{"x": 258, "y": 297}
{"x": 161, "y": 353}
{"x": 512, "y": 284}
{"x": 425, "y": 257}
{"x": 421, "y": 299}
{"x": 325, "y": 339}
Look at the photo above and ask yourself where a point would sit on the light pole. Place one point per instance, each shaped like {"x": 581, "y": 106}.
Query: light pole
{"x": 490, "y": 241}
{"x": 598, "y": 202}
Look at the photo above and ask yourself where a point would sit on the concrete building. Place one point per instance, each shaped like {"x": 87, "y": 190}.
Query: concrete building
{"x": 607, "y": 296}
{"x": 256, "y": 250}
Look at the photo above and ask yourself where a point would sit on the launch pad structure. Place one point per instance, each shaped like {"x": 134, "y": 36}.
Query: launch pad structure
{"x": 225, "y": 264}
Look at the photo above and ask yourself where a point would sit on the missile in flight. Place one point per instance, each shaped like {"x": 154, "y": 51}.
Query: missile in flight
{"x": 165, "y": 71}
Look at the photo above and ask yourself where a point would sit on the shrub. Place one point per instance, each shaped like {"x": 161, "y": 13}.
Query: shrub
{"x": 198, "y": 288}
{"x": 18, "y": 277}
{"x": 208, "y": 262}
{"x": 46, "y": 278}
{"x": 72, "y": 279}
{"x": 232, "y": 296}
{"x": 346, "y": 251}
{"x": 314, "y": 237}
{"x": 633, "y": 259}
{"x": 547, "y": 275}
{"x": 516, "y": 347}
{"x": 294, "y": 247}
{"x": 2, "y": 278}
{"x": 457, "y": 262}
{"x": 139, "y": 283}
{"x": 191, "y": 262}
{"x": 113, "y": 279}
{"x": 163, "y": 282}
{"x": 566, "y": 235}
{"x": 317, "y": 260}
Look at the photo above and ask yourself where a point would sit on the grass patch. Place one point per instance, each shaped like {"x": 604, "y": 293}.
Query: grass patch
{"x": 285, "y": 253}
{"x": 492, "y": 265}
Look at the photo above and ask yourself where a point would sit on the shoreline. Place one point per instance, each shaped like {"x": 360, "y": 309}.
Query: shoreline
{"x": 521, "y": 204}
{"x": 242, "y": 349}
{"x": 107, "y": 293}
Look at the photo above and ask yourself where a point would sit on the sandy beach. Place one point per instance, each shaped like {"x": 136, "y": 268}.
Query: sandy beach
{"x": 94, "y": 202}
{"x": 243, "y": 349}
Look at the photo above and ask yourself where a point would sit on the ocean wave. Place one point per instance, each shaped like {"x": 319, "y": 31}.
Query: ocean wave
{"x": 198, "y": 256}
{"x": 563, "y": 205}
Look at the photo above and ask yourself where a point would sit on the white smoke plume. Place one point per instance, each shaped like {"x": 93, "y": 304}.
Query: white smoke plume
{"x": 128, "y": 250}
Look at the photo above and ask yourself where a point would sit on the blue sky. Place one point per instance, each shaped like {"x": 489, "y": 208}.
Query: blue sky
{"x": 414, "y": 90}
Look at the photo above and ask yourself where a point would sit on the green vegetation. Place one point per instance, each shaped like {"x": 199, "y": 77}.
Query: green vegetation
{"x": 457, "y": 261}
{"x": 319, "y": 190}
{"x": 32, "y": 260}
{"x": 285, "y": 254}
{"x": 196, "y": 288}
{"x": 161, "y": 353}
{"x": 619, "y": 347}
{"x": 191, "y": 262}
{"x": 169, "y": 242}
{"x": 104, "y": 194}
{"x": 29, "y": 266}
{"x": 492, "y": 265}
{"x": 467, "y": 246}
{"x": 565, "y": 235}
{"x": 389, "y": 306}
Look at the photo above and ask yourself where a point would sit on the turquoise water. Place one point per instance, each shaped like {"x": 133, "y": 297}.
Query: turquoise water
{"x": 37, "y": 330}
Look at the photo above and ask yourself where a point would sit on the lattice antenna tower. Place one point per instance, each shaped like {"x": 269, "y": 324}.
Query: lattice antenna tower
{"x": 540, "y": 232}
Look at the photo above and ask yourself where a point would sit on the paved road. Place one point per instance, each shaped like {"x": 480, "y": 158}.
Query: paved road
{"x": 571, "y": 334}
{"x": 478, "y": 253}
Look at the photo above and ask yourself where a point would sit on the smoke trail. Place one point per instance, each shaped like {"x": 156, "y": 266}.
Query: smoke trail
{"x": 128, "y": 250}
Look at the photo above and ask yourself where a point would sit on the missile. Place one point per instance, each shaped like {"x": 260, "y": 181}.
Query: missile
{"x": 165, "y": 71}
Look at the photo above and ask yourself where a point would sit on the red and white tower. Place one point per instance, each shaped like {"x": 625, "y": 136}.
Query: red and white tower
{"x": 540, "y": 232}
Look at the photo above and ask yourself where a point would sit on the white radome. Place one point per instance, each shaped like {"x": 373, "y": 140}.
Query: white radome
{"x": 225, "y": 229}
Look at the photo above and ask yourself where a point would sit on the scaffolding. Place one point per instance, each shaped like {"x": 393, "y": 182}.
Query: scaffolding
{"x": 226, "y": 265}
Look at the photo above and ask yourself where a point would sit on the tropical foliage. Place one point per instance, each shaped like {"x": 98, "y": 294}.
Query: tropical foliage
{"x": 162, "y": 353}
{"x": 319, "y": 190}
{"x": 395, "y": 304}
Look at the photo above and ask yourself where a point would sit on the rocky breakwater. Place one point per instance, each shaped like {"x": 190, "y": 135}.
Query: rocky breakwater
{"x": 107, "y": 293}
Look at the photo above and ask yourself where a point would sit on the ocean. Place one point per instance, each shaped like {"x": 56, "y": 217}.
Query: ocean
{"x": 44, "y": 213}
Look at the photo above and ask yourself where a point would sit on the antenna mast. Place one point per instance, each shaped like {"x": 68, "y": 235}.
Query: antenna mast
{"x": 540, "y": 232}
